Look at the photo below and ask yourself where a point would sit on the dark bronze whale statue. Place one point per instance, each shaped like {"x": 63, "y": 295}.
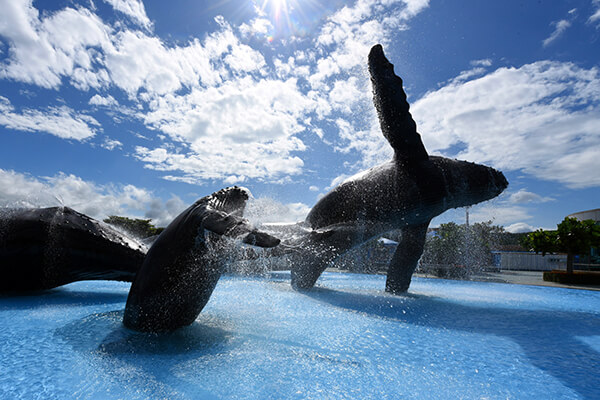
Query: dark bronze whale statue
{"x": 49, "y": 247}
{"x": 182, "y": 267}
{"x": 43, "y": 248}
{"x": 404, "y": 193}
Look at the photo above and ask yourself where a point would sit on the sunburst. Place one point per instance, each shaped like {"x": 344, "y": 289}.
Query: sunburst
{"x": 290, "y": 17}
{"x": 279, "y": 10}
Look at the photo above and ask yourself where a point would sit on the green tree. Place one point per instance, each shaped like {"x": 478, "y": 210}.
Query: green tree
{"x": 467, "y": 245}
{"x": 481, "y": 239}
{"x": 446, "y": 247}
{"x": 571, "y": 236}
{"x": 138, "y": 227}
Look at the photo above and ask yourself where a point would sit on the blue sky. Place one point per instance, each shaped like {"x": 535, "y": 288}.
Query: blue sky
{"x": 138, "y": 108}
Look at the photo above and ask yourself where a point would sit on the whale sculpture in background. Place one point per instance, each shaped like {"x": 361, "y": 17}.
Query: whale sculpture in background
{"x": 43, "y": 248}
{"x": 404, "y": 193}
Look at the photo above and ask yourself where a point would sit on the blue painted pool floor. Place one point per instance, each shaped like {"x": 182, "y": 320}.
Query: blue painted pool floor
{"x": 345, "y": 339}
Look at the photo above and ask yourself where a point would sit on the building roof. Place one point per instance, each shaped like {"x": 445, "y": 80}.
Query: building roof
{"x": 590, "y": 214}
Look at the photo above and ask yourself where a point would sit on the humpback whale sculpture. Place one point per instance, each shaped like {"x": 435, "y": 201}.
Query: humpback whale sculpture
{"x": 172, "y": 282}
{"x": 180, "y": 271}
{"x": 404, "y": 193}
{"x": 45, "y": 248}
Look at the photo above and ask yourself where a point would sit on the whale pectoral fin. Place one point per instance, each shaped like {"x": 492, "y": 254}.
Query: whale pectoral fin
{"x": 230, "y": 225}
{"x": 395, "y": 120}
{"x": 405, "y": 259}
{"x": 261, "y": 239}
{"x": 222, "y": 223}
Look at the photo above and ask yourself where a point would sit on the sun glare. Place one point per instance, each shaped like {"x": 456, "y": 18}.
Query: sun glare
{"x": 276, "y": 8}
{"x": 275, "y": 3}
{"x": 290, "y": 17}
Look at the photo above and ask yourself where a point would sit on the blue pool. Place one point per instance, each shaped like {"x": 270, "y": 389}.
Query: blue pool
{"x": 346, "y": 339}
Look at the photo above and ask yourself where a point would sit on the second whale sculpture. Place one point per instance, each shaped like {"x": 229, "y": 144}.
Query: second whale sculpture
{"x": 404, "y": 193}
{"x": 182, "y": 267}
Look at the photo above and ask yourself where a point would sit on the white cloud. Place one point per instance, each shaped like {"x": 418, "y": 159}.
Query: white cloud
{"x": 523, "y": 196}
{"x": 468, "y": 74}
{"x": 148, "y": 70}
{"x": 244, "y": 58}
{"x": 595, "y": 17}
{"x": 42, "y": 51}
{"x": 559, "y": 28}
{"x": 162, "y": 213}
{"x": 369, "y": 142}
{"x": 355, "y": 28}
{"x": 244, "y": 128}
{"x": 257, "y": 26}
{"x": 499, "y": 213}
{"x": 290, "y": 68}
{"x": 59, "y": 121}
{"x": 217, "y": 98}
{"x": 542, "y": 118}
{"x": 140, "y": 61}
{"x": 340, "y": 80}
{"x": 111, "y": 144}
{"x": 118, "y": 112}
{"x": 134, "y": 9}
{"x": 346, "y": 93}
{"x": 520, "y": 227}
{"x": 247, "y": 115}
{"x": 106, "y": 101}
{"x": 75, "y": 43}
{"x": 486, "y": 62}
{"x": 267, "y": 210}
{"x": 414, "y": 7}
{"x": 349, "y": 33}
{"x": 97, "y": 201}
{"x": 232, "y": 165}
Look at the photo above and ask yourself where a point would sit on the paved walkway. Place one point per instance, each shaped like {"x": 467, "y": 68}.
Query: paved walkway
{"x": 522, "y": 278}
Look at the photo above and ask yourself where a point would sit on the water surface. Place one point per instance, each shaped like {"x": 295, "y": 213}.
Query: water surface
{"x": 258, "y": 338}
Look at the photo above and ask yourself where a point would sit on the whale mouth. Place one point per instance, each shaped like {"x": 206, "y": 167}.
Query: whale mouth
{"x": 231, "y": 200}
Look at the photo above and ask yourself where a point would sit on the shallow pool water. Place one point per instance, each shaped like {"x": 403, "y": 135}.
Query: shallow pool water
{"x": 345, "y": 339}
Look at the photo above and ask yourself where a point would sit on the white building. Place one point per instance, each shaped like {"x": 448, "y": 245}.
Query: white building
{"x": 528, "y": 261}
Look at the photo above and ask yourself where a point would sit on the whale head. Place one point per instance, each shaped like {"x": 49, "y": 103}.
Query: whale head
{"x": 231, "y": 200}
{"x": 467, "y": 183}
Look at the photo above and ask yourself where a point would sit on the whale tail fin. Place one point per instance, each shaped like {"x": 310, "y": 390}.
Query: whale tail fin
{"x": 389, "y": 98}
